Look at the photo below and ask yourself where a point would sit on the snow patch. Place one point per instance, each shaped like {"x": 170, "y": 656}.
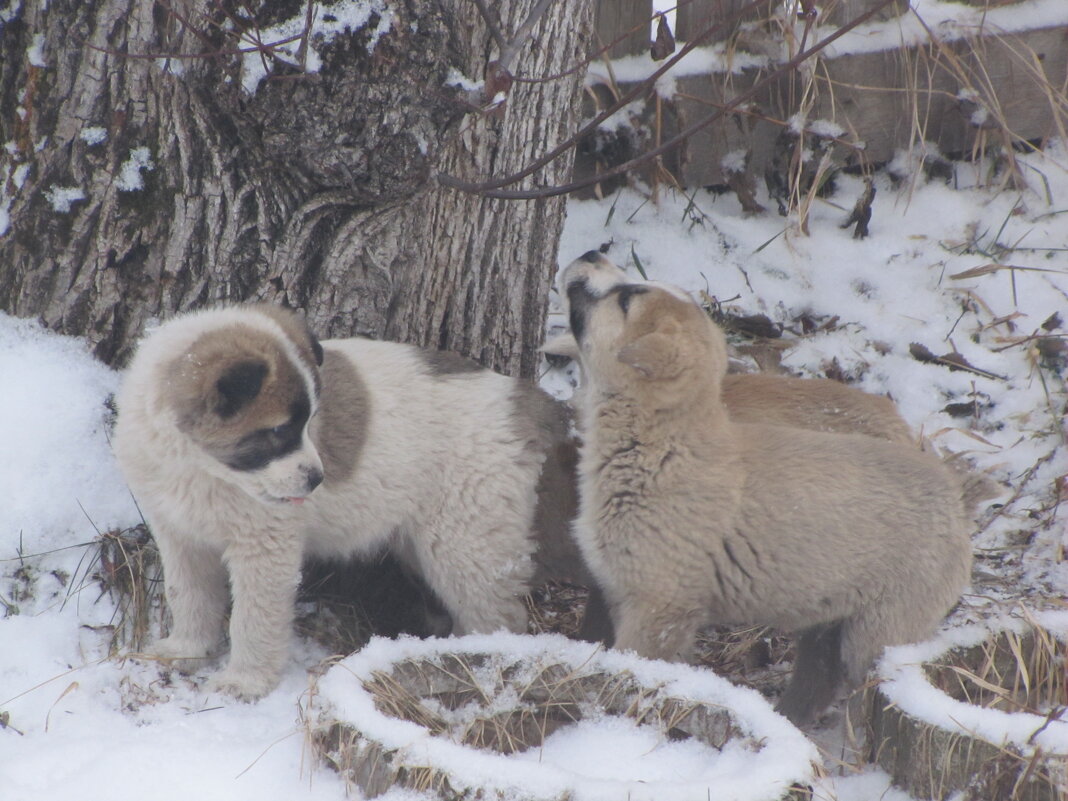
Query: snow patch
{"x": 11, "y": 13}
{"x": 58, "y": 474}
{"x": 35, "y": 52}
{"x": 288, "y": 37}
{"x": 63, "y": 197}
{"x": 93, "y": 135}
{"x": 130, "y": 179}
{"x": 734, "y": 161}
{"x": 457, "y": 78}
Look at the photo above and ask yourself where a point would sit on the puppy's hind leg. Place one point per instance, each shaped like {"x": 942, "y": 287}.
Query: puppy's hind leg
{"x": 657, "y": 629}
{"x": 900, "y": 617}
{"x": 480, "y": 577}
{"x": 596, "y": 619}
{"x": 817, "y": 673}
{"x": 197, "y": 594}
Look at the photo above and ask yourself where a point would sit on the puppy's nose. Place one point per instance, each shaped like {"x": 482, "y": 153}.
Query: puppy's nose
{"x": 313, "y": 477}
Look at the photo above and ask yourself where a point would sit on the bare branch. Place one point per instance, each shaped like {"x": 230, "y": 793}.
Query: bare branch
{"x": 509, "y": 52}
{"x": 494, "y": 28}
{"x": 493, "y": 188}
{"x": 639, "y": 89}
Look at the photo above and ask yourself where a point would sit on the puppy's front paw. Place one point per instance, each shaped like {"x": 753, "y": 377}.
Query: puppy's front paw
{"x": 186, "y": 655}
{"x": 244, "y": 685}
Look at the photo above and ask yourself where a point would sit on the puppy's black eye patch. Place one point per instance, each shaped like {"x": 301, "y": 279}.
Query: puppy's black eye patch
{"x": 260, "y": 448}
{"x": 237, "y": 386}
{"x": 626, "y": 292}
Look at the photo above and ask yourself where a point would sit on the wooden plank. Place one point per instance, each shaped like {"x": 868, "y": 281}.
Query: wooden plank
{"x": 629, "y": 19}
{"x": 844, "y": 11}
{"x": 890, "y": 98}
{"x": 698, "y": 15}
{"x": 702, "y": 156}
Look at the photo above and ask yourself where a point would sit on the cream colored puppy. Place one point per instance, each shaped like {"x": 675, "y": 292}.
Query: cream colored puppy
{"x": 249, "y": 446}
{"x": 687, "y": 518}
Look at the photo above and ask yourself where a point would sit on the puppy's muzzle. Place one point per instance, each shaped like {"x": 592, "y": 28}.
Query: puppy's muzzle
{"x": 313, "y": 477}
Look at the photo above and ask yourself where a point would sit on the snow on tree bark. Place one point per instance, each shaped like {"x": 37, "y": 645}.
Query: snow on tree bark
{"x": 317, "y": 190}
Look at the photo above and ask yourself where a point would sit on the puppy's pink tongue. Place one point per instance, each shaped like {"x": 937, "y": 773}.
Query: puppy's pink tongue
{"x": 296, "y": 501}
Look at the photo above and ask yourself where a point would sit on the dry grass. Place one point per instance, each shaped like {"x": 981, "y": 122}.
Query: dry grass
{"x": 494, "y": 703}
{"x": 127, "y": 566}
{"x": 983, "y": 97}
{"x": 1009, "y": 672}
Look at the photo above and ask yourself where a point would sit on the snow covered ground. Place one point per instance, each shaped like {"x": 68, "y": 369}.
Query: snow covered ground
{"x": 78, "y": 724}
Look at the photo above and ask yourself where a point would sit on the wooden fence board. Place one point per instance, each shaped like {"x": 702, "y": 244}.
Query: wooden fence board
{"x": 886, "y": 99}
{"x": 614, "y": 18}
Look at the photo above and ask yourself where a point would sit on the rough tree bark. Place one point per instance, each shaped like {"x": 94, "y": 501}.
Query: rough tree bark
{"x": 317, "y": 190}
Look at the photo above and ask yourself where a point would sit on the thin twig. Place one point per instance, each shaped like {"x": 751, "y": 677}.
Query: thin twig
{"x": 491, "y": 188}
{"x": 597, "y": 54}
{"x": 639, "y": 89}
{"x": 494, "y": 28}
{"x": 509, "y": 52}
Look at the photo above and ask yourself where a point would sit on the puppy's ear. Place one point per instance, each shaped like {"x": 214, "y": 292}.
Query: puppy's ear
{"x": 655, "y": 356}
{"x": 238, "y": 385}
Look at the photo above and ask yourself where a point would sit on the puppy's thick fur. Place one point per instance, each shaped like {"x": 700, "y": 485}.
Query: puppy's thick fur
{"x": 228, "y": 424}
{"x": 688, "y": 518}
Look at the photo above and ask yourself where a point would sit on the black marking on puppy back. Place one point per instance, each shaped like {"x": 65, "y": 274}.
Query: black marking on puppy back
{"x": 625, "y": 292}
{"x": 237, "y": 386}
{"x": 591, "y": 256}
{"x": 257, "y": 450}
{"x": 578, "y": 299}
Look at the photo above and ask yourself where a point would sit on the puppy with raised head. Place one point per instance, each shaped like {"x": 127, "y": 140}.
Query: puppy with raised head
{"x": 688, "y": 518}
{"x": 250, "y": 446}
{"x": 819, "y": 404}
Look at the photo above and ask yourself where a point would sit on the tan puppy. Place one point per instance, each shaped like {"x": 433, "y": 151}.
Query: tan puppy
{"x": 687, "y": 518}
{"x": 818, "y": 404}
{"x": 814, "y": 403}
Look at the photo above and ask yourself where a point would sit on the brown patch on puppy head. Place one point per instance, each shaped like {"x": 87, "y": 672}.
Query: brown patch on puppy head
{"x": 237, "y": 393}
{"x": 339, "y": 430}
{"x": 666, "y": 336}
{"x": 297, "y": 331}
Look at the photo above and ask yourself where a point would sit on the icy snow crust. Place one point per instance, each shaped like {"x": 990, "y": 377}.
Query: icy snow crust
{"x": 905, "y": 682}
{"x": 579, "y": 761}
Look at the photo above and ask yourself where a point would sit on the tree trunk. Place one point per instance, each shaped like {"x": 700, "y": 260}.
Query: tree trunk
{"x": 317, "y": 191}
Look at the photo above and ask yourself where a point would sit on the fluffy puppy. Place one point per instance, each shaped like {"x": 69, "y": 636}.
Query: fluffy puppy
{"x": 818, "y": 404}
{"x": 687, "y": 518}
{"x": 250, "y": 447}
{"x": 814, "y": 403}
